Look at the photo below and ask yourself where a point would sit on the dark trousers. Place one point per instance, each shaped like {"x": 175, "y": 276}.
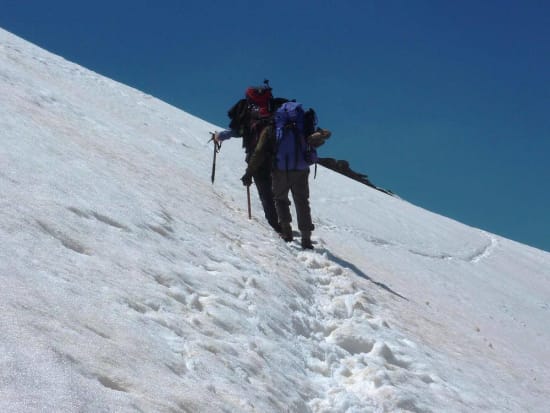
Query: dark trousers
{"x": 297, "y": 183}
{"x": 263, "y": 185}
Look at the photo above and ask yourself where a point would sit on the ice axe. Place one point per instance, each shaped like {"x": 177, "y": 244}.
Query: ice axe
{"x": 217, "y": 147}
{"x": 248, "y": 203}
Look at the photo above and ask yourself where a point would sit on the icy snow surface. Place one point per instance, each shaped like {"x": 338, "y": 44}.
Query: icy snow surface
{"x": 130, "y": 283}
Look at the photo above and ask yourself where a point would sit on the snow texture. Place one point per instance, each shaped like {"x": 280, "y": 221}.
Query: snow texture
{"x": 130, "y": 283}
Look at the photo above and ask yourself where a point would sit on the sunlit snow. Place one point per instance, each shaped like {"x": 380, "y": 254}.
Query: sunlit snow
{"x": 130, "y": 283}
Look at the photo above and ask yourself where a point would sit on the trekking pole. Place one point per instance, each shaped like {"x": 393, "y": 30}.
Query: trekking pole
{"x": 217, "y": 147}
{"x": 248, "y": 199}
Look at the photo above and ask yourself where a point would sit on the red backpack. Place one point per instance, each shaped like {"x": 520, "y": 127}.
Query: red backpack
{"x": 249, "y": 116}
{"x": 259, "y": 101}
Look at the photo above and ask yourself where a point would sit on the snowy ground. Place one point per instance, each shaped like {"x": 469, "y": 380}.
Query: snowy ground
{"x": 130, "y": 283}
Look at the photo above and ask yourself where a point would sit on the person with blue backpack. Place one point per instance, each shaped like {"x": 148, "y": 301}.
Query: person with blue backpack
{"x": 289, "y": 142}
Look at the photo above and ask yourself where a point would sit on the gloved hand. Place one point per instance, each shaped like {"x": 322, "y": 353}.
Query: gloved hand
{"x": 318, "y": 137}
{"x": 247, "y": 179}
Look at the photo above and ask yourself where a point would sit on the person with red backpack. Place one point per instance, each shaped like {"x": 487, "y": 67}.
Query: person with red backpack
{"x": 289, "y": 143}
{"x": 249, "y": 117}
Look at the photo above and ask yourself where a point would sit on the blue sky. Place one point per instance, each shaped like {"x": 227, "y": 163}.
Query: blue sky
{"x": 445, "y": 103}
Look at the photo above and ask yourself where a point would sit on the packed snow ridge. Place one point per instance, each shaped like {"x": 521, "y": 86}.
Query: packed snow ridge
{"x": 130, "y": 283}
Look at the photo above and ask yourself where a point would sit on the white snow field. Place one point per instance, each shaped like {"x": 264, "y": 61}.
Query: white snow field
{"x": 130, "y": 283}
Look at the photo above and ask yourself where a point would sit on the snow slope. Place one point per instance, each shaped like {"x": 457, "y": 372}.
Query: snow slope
{"x": 130, "y": 283}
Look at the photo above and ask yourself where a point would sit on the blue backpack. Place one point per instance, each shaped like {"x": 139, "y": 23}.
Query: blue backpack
{"x": 292, "y": 126}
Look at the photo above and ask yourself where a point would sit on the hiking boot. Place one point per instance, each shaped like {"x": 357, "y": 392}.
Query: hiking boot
{"x": 286, "y": 232}
{"x": 306, "y": 240}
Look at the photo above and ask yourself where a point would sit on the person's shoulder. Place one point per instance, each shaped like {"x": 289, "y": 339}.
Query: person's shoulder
{"x": 238, "y": 108}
